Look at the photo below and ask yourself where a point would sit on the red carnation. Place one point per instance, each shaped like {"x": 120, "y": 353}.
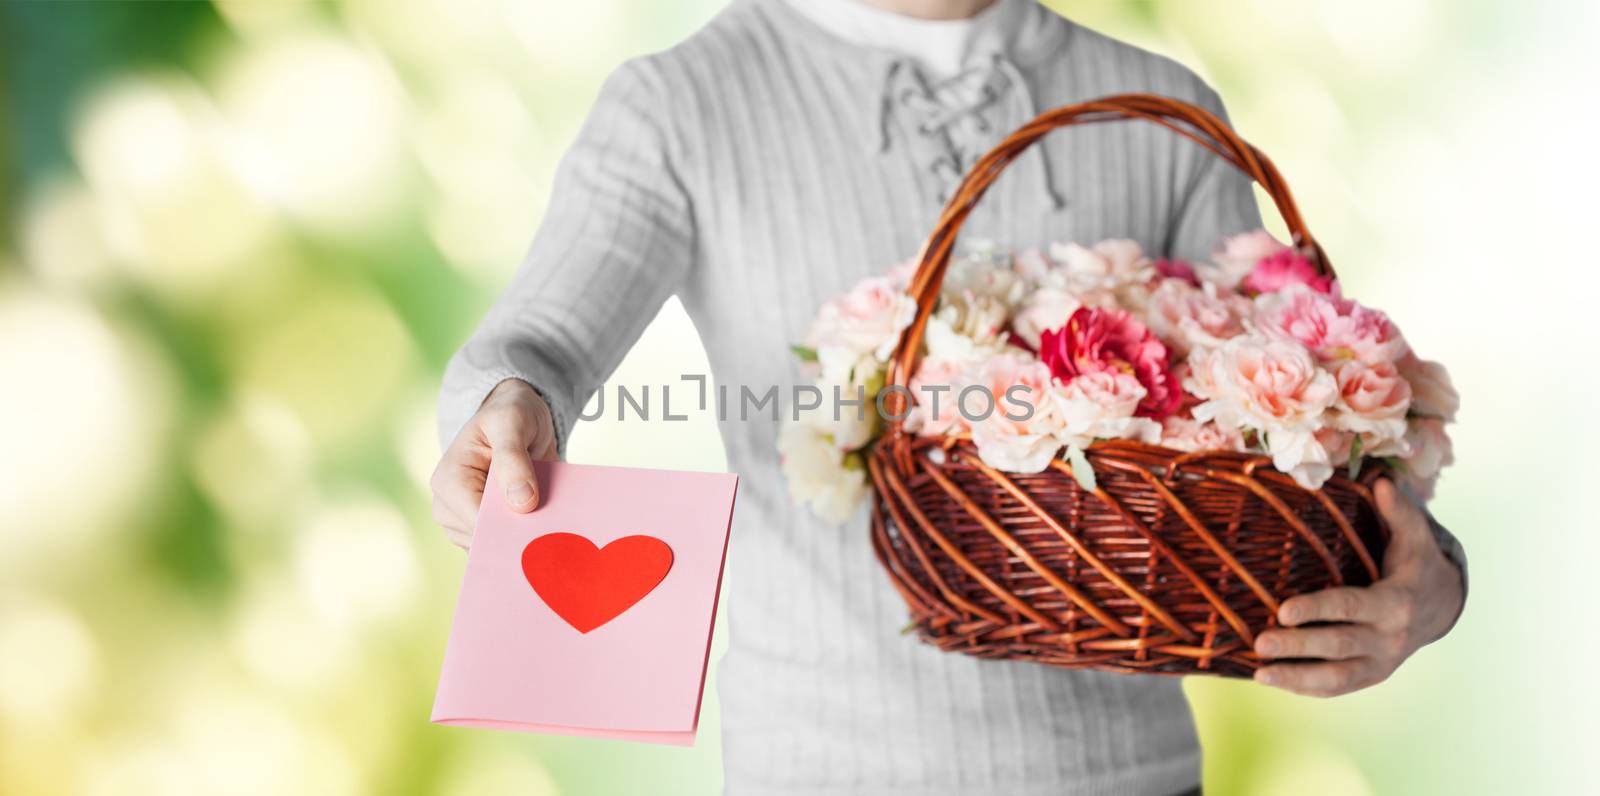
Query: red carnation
{"x": 1097, "y": 339}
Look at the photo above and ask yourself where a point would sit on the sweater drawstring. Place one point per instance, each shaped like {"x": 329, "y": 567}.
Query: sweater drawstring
{"x": 1030, "y": 109}
{"x": 886, "y": 104}
{"x": 952, "y": 110}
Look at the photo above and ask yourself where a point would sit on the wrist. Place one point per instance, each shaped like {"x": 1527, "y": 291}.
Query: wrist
{"x": 1455, "y": 569}
{"x": 511, "y": 388}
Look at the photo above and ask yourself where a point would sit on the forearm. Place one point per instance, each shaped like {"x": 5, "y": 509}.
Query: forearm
{"x": 618, "y": 239}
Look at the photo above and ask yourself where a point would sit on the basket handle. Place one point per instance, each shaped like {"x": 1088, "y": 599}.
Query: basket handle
{"x": 1190, "y": 121}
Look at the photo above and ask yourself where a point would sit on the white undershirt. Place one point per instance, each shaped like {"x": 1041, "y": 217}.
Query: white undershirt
{"x": 940, "y": 46}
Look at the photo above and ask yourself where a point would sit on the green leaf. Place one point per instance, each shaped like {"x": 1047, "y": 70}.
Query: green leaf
{"x": 804, "y": 353}
{"x": 1081, "y": 468}
{"x": 910, "y": 626}
{"x": 1354, "y": 467}
{"x": 1255, "y": 441}
{"x": 874, "y": 383}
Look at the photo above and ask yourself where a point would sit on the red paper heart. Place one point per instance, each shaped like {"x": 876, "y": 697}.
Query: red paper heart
{"x": 589, "y": 586}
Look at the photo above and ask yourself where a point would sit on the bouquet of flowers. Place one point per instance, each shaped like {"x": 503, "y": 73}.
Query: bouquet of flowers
{"x": 1035, "y": 355}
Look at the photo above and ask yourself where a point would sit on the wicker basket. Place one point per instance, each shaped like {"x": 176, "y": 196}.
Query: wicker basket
{"x": 1172, "y": 564}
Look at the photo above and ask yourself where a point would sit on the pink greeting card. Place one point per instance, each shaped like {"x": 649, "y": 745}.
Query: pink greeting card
{"x": 592, "y": 614}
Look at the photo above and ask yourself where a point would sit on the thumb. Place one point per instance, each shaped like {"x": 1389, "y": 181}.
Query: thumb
{"x": 513, "y": 469}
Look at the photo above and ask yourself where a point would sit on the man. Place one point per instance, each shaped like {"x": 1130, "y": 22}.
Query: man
{"x": 760, "y": 167}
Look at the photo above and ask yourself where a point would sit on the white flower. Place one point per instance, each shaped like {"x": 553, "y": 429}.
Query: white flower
{"x": 1133, "y": 297}
{"x": 977, "y": 317}
{"x": 983, "y": 271}
{"x": 847, "y": 376}
{"x": 1043, "y": 309}
{"x": 819, "y": 475}
{"x": 1003, "y": 448}
{"x": 1034, "y": 266}
{"x": 1108, "y": 265}
{"x": 1301, "y": 455}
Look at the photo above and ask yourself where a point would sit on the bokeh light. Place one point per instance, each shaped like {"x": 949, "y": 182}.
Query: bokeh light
{"x": 478, "y": 143}
{"x": 334, "y": 357}
{"x": 171, "y": 206}
{"x": 280, "y": 638}
{"x": 49, "y": 662}
{"x": 354, "y": 562}
{"x": 61, "y": 236}
{"x": 251, "y": 460}
{"x": 82, "y": 413}
{"x": 317, "y": 126}
{"x": 495, "y": 768}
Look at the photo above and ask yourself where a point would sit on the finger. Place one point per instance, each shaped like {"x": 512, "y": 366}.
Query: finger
{"x": 448, "y": 516}
{"x": 1333, "y": 642}
{"x": 457, "y": 491}
{"x": 509, "y": 436}
{"x": 1320, "y": 679}
{"x": 1339, "y": 604}
{"x": 459, "y": 538}
{"x": 1404, "y": 516}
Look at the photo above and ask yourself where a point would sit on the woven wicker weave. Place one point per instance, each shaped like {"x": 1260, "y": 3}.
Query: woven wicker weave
{"x": 1172, "y": 564}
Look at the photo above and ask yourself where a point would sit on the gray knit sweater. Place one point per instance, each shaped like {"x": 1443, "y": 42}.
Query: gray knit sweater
{"x": 755, "y": 170}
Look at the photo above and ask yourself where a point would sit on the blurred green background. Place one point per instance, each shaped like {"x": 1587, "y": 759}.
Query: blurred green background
{"x": 240, "y": 241}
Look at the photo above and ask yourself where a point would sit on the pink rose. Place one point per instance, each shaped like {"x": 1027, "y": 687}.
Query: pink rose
{"x": 1097, "y": 339}
{"x": 1238, "y": 256}
{"x": 1177, "y": 269}
{"x": 1261, "y": 383}
{"x": 1283, "y": 268}
{"x": 1333, "y": 327}
{"x": 1432, "y": 394}
{"x": 1184, "y": 316}
{"x": 1102, "y": 404}
{"x": 1012, "y": 419}
{"x": 1373, "y": 399}
{"x": 1188, "y": 434}
{"x": 867, "y": 319}
{"x": 933, "y": 392}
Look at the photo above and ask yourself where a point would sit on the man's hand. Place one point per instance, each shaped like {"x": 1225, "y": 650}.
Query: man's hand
{"x": 1376, "y": 627}
{"x": 512, "y": 428}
